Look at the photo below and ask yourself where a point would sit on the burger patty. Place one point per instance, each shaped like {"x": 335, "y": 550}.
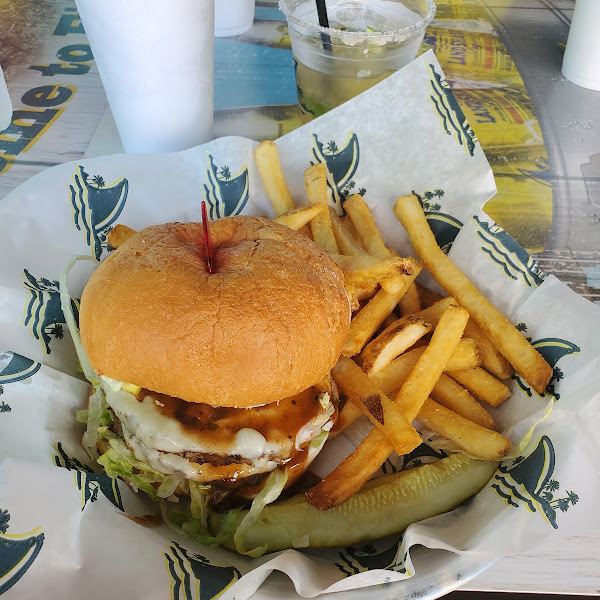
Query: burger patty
{"x": 200, "y": 458}
{"x": 209, "y": 443}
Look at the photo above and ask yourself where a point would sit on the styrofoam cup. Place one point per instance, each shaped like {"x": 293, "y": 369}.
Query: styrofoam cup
{"x": 5, "y": 104}
{"x": 233, "y": 17}
{"x": 156, "y": 61}
{"x": 581, "y": 63}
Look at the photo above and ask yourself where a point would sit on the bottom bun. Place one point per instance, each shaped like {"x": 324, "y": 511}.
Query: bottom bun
{"x": 383, "y": 506}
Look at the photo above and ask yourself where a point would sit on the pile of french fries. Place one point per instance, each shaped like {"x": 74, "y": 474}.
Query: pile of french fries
{"x": 410, "y": 355}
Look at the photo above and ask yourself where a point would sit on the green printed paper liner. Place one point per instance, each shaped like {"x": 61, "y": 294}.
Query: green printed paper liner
{"x": 65, "y": 528}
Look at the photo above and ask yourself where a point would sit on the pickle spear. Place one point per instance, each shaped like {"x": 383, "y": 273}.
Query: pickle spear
{"x": 383, "y": 506}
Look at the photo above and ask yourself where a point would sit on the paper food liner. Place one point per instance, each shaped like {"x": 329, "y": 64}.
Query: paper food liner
{"x": 66, "y": 529}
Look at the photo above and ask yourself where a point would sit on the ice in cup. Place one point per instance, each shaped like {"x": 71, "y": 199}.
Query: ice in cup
{"x": 365, "y": 43}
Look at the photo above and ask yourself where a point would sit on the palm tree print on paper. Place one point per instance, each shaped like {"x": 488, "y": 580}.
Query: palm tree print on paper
{"x": 13, "y": 368}
{"x": 226, "y": 193}
{"x": 444, "y": 227}
{"x": 506, "y": 253}
{"x": 452, "y": 117}
{"x": 96, "y": 207}
{"x": 427, "y": 200}
{"x": 421, "y": 455}
{"x": 562, "y": 503}
{"x": 342, "y": 163}
{"x": 193, "y": 577}
{"x": 43, "y": 313}
{"x": 527, "y": 481}
{"x": 17, "y": 552}
{"x": 88, "y": 482}
{"x": 359, "y": 558}
{"x": 553, "y": 350}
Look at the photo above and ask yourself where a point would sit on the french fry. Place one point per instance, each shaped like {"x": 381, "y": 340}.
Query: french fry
{"x": 355, "y": 470}
{"x": 470, "y": 437}
{"x": 297, "y": 218}
{"x": 482, "y": 385}
{"x": 362, "y": 219}
{"x": 427, "y": 296}
{"x": 393, "y": 285}
{"x": 351, "y": 230}
{"x": 465, "y": 356}
{"x": 346, "y": 243}
{"x": 324, "y": 386}
{"x": 368, "y": 319}
{"x": 365, "y": 270}
{"x": 453, "y": 396}
{"x": 266, "y": 156}
{"x": 392, "y": 342}
{"x": 410, "y": 303}
{"x": 392, "y": 318}
{"x": 525, "y": 359}
{"x": 364, "y": 223}
{"x": 491, "y": 359}
{"x": 430, "y": 365}
{"x": 378, "y": 408}
{"x": 352, "y": 473}
{"x": 119, "y": 234}
{"x": 363, "y": 292}
{"x": 315, "y": 180}
{"x": 433, "y": 313}
{"x": 353, "y": 298}
{"x": 347, "y": 415}
{"x": 391, "y": 377}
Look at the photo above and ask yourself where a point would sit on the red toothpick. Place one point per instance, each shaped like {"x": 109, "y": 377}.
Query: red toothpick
{"x": 210, "y": 259}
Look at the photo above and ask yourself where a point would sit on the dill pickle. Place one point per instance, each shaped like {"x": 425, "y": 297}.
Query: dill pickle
{"x": 383, "y": 506}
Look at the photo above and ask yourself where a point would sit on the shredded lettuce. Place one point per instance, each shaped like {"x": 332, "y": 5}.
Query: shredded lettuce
{"x": 270, "y": 492}
{"x": 169, "y": 485}
{"x": 65, "y": 303}
{"x": 199, "y": 502}
{"x": 319, "y": 440}
{"x": 95, "y": 405}
{"x": 119, "y": 461}
{"x": 81, "y": 416}
{"x": 180, "y": 517}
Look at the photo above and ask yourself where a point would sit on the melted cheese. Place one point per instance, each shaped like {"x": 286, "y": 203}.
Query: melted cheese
{"x": 169, "y": 464}
{"x": 159, "y": 432}
{"x": 151, "y": 429}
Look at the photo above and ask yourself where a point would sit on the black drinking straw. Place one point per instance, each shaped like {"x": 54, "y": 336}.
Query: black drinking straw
{"x": 323, "y": 22}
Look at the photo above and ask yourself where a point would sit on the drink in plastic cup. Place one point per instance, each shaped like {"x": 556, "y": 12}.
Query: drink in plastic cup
{"x": 156, "y": 61}
{"x": 365, "y": 43}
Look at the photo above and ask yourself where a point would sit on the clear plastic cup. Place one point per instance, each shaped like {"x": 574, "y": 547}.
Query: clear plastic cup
{"x": 365, "y": 43}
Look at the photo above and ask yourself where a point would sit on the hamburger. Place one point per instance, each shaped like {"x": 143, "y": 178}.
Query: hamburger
{"x": 213, "y": 389}
{"x": 213, "y": 381}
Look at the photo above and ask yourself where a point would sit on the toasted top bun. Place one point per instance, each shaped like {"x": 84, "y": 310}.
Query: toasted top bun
{"x": 268, "y": 324}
